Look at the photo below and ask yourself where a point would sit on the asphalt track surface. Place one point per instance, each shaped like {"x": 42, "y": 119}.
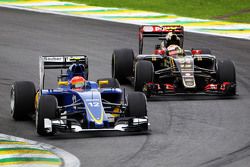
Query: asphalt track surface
{"x": 187, "y": 131}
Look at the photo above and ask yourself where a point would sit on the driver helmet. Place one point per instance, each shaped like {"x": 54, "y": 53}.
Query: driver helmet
{"x": 175, "y": 50}
{"x": 77, "y": 82}
{"x": 172, "y": 39}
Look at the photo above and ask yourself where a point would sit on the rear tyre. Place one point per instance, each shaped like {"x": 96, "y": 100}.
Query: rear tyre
{"x": 144, "y": 73}
{"x": 137, "y": 105}
{"x": 47, "y": 109}
{"x": 226, "y": 73}
{"x": 122, "y": 64}
{"x": 108, "y": 83}
{"x": 22, "y": 99}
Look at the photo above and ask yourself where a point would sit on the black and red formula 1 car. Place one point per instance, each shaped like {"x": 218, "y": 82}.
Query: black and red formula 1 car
{"x": 172, "y": 70}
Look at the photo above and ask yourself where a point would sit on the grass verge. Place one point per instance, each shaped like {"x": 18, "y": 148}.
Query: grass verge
{"x": 229, "y": 10}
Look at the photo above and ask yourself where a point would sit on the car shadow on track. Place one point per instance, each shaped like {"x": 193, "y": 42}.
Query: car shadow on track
{"x": 84, "y": 135}
{"x": 183, "y": 97}
{"x": 191, "y": 97}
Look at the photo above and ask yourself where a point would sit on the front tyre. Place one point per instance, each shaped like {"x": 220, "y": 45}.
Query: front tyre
{"x": 47, "y": 108}
{"x": 144, "y": 73}
{"x": 225, "y": 72}
{"x": 22, "y": 99}
{"x": 137, "y": 105}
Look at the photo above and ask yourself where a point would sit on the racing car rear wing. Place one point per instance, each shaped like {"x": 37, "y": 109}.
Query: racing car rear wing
{"x": 159, "y": 31}
{"x": 59, "y": 62}
{"x": 62, "y": 61}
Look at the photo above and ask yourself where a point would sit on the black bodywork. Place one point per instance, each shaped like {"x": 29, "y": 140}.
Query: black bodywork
{"x": 195, "y": 71}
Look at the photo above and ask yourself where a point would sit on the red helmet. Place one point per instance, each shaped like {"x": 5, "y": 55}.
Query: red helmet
{"x": 77, "y": 82}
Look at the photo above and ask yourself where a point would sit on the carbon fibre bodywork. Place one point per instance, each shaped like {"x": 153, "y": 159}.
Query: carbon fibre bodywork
{"x": 194, "y": 71}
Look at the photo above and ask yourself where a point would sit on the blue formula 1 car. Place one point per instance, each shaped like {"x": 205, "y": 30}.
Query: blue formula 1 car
{"x": 95, "y": 106}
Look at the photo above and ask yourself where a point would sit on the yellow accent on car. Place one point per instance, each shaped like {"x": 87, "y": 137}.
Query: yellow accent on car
{"x": 172, "y": 62}
{"x": 115, "y": 115}
{"x": 103, "y": 82}
{"x": 116, "y": 110}
{"x": 75, "y": 58}
{"x": 62, "y": 83}
{"x": 36, "y": 100}
{"x": 98, "y": 121}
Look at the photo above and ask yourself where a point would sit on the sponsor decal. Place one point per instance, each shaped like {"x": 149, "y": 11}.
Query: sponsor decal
{"x": 92, "y": 99}
{"x": 189, "y": 80}
{"x": 188, "y": 60}
{"x": 53, "y": 59}
{"x": 190, "y": 83}
{"x": 148, "y": 29}
{"x": 74, "y": 58}
{"x": 157, "y": 29}
{"x": 153, "y": 58}
{"x": 167, "y": 28}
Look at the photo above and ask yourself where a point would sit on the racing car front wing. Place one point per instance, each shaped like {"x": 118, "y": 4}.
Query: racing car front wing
{"x": 126, "y": 124}
{"x": 156, "y": 89}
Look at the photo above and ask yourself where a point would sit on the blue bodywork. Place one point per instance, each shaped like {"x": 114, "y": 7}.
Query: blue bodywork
{"x": 85, "y": 105}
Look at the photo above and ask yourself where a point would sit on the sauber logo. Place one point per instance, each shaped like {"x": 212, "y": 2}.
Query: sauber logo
{"x": 53, "y": 59}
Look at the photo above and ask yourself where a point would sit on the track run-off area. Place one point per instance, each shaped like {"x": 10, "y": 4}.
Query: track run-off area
{"x": 137, "y": 17}
{"x": 186, "y": 131}
{"x": 15, "y": 151}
